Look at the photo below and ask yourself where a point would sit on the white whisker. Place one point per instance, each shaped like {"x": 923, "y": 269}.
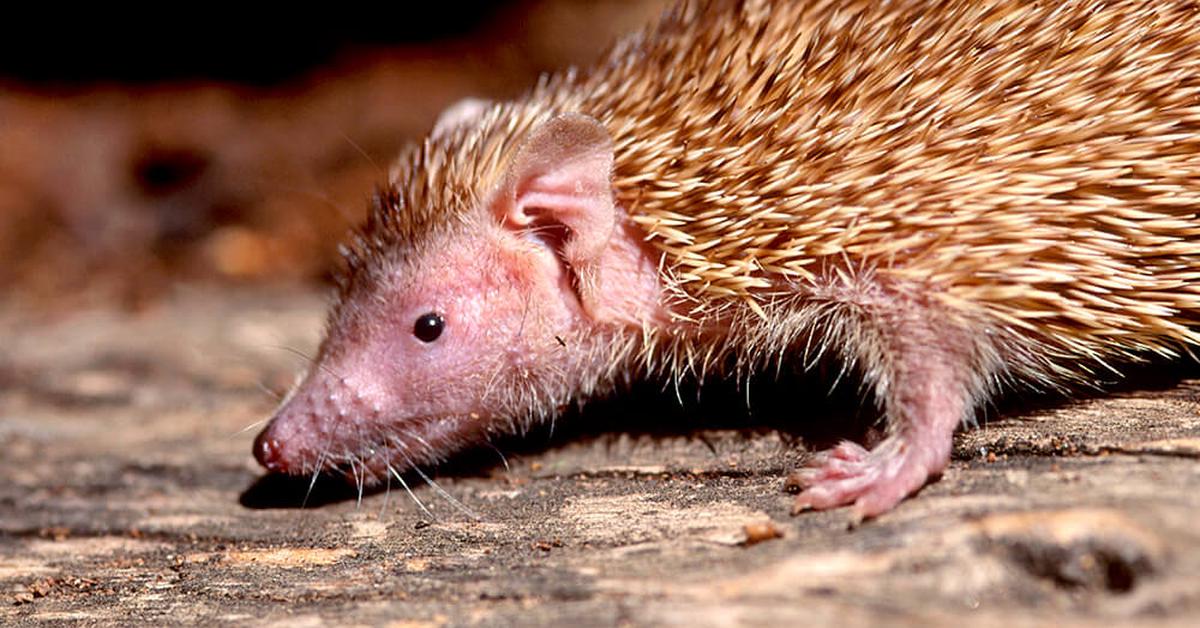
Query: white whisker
{"x": 399, "y": 478}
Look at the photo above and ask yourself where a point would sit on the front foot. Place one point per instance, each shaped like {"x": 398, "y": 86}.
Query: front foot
{"x": 872, "y": 481}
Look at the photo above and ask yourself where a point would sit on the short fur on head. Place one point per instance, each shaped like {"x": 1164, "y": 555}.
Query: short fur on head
{"x": 949, "y": 195}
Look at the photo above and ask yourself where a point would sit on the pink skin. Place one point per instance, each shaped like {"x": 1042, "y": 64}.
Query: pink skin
{"x": 528, "y": 314}
{"x": 874, "y": 481}
{"x": 520, "y": 323}
{"x": 382, "y": 396}
{"x": 377, "y": 379}
{"x": 926, "y": 377}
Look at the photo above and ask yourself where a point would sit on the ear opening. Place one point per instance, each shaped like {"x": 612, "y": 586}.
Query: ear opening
{"x": 560, "y": 184}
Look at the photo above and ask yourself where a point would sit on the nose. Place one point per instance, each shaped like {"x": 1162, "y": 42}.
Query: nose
{"x": 322, "y": 413}
{"x": 267, "y": 451}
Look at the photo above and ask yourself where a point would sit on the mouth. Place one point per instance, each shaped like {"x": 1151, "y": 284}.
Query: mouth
{"x": 364, "y": 457}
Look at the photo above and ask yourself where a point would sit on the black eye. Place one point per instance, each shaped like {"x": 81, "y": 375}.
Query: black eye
{"x": 428, "y": 327}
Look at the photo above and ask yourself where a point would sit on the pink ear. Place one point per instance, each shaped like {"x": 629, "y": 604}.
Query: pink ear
{"x": 562, "y": 177}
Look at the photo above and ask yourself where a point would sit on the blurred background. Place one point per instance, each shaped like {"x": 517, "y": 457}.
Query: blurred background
{"x": 140, "y": 150}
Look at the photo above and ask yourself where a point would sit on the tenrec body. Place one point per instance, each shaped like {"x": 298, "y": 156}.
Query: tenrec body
{"x": 951, "y": 197}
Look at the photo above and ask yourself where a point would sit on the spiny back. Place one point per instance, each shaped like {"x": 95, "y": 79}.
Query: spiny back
{"x": 1037, "y": 164}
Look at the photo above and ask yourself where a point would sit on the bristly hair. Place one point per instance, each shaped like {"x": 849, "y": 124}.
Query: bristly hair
{"x": 1036, "y": 166}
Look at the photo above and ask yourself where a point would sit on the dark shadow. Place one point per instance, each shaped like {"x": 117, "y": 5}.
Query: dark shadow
{"x": 800, "y": 406}
{"x": 273, "y": 490}
{"x": 107, "y": 46}
{"x": 1156, "y": 376}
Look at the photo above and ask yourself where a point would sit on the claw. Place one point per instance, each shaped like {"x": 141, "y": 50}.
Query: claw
{"x": 872, "y": 482}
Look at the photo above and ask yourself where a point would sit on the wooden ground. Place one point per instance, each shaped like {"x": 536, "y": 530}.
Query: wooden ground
{"x": 128, "y": 496}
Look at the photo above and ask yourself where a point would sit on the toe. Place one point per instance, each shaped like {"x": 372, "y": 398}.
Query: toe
{"x": 883, "y": 495}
